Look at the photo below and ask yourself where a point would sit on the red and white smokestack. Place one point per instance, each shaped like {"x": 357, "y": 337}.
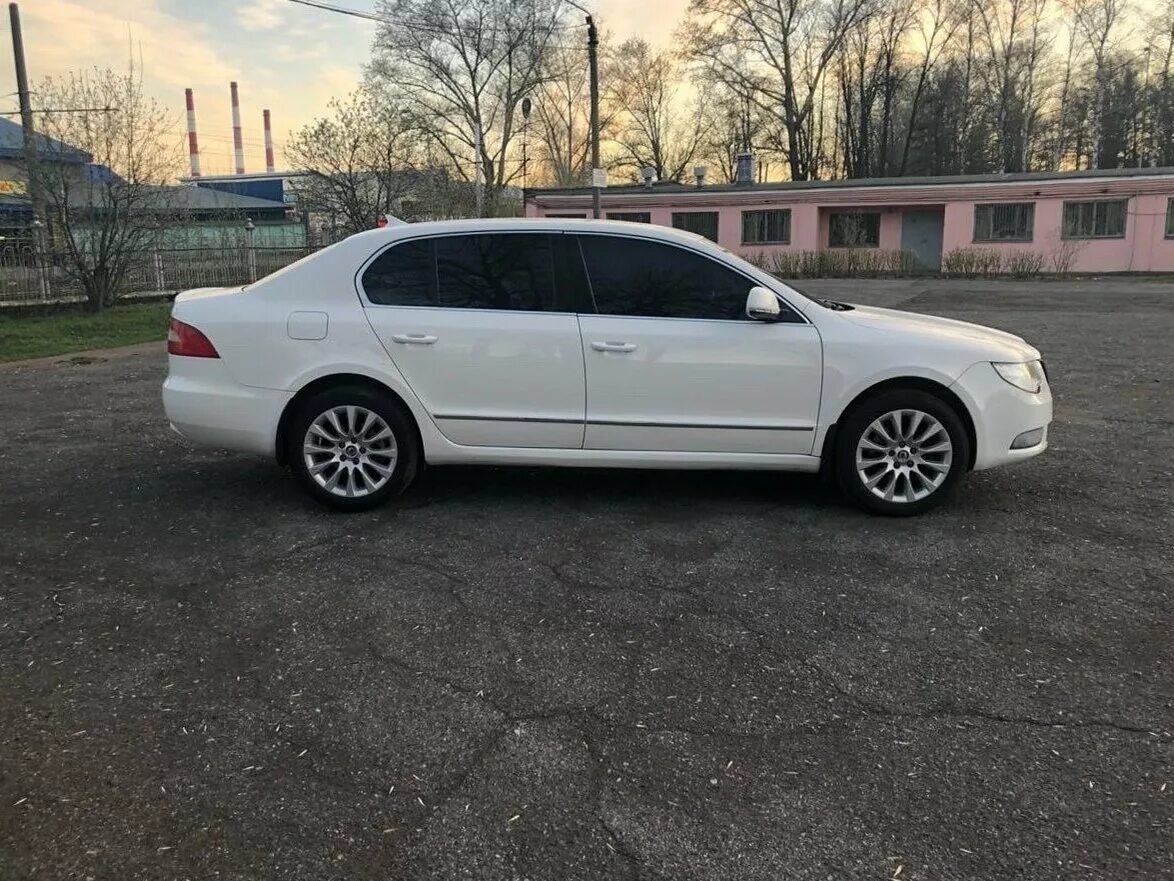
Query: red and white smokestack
{"x": 238, "y": 145}
{"x": 268, "y": 142}
{"x": 193, "y": 142}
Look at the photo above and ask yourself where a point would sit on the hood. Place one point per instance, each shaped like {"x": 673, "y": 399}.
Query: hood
{"x": 995, "y": 344}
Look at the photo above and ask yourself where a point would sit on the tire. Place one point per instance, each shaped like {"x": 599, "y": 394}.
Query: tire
{"x": 901, "y": 452}
{"x": 352, "y": 448}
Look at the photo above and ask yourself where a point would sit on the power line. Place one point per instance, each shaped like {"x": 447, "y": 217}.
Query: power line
{"x": 416, "y": 24}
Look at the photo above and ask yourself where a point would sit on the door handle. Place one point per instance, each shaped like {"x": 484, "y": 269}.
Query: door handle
{"x": 601, "y": 346}
{"x": 419, "y": 339}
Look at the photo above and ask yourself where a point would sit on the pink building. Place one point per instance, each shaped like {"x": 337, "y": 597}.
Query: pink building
{"x": 1111, "y": 220}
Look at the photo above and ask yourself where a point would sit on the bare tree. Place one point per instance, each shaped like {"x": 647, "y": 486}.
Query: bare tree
{"x": 654, "y": 126}
{"x": 1011, "y": 39}
{"x": 561, "y": 120}
{"x": 356, "y": 163}
{"x": 784, "y": 49}
{"x": 1097, "y": 22}
{"x": 103, "y": 214}
{"x": 463, "y": 67}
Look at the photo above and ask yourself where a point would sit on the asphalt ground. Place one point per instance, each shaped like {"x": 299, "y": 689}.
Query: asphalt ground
{"x": 563, "y": 674}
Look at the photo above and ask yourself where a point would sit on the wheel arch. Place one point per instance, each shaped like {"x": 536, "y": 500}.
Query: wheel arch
{"x": 917, "y": 383}
{"x": 334, "y": 380}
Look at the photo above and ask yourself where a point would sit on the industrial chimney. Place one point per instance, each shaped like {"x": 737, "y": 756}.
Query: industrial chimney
{"x": 237, "y": 141}
{"x": 744, "y": 168}
{"x": 193, "y": 142}
{"x": 268, "y": 142}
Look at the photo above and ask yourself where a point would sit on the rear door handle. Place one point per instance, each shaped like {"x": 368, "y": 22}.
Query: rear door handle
{"x": 601, "y": 346}
{"x": 419, "y": 339}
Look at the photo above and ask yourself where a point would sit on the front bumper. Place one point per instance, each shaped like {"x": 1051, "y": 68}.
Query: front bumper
{"x": 210, "y": 408}
{"x": 1002, "y": 413}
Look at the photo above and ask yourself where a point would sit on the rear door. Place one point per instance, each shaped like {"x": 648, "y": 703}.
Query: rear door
{"x": 673, "y": 363}
{"x": 482, "y": 334}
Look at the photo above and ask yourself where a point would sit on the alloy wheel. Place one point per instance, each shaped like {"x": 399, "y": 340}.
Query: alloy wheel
{"x": 904, "y": 455}
{"x": 350, "y": 451}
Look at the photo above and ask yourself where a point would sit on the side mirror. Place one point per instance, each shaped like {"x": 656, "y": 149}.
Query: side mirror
{"x": 762, "y": 305}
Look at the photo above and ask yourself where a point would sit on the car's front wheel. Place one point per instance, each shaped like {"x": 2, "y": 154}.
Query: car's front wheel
{"x": 901, "y": 452}
{"x": 352, "y": 448}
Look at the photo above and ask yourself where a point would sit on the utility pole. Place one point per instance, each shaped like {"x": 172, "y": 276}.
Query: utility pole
{"x": 26, "y": 113}
{"x": 29, "y": 135}
{"x": 596, "y": 171}
{"x": 479, "y": 190}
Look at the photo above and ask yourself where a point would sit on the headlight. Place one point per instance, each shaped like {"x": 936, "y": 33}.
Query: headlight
{"x": 1029, "y": 376}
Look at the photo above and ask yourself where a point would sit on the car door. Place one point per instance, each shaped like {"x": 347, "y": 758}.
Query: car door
{"x": 476, "y": 326}
{"x": 673, "y": 362}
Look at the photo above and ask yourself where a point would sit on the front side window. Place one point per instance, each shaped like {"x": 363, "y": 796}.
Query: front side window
{"x": 766, "y": 227}
{"x": 854, "y": 229}
{"x": 631, "y": 216}
{"x": 1103, "y": 219}
{"x": 704, "y": 223}
{"x": 1005, "y": 222}
{"x": 634, "y": 277}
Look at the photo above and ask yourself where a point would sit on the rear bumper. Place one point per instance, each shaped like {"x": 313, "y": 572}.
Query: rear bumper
{"x": 208, "y": 407}
{"x": 1002, "y": 413}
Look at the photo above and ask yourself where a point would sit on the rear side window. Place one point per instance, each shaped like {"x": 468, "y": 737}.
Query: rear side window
{"x": 404, "y": 275}
{"x": 496, "y": 272}
{"x": 656, "y": 280}
{"x": 504, "y": 271}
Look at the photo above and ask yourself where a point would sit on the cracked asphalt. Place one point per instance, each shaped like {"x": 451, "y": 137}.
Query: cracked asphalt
{"x": 528, "y": 674}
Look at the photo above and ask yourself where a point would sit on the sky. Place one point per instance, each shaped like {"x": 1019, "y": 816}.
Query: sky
{"x": 285, "y": 57}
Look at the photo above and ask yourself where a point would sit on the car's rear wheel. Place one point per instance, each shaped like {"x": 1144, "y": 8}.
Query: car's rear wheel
{"x": 901, "y": 452}
{"x": 352, "y": 448}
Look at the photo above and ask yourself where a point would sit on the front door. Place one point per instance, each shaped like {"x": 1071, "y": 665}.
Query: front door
{"x": 673, "y": 363}
{"x": 921, "y": 236}
{"x": 478, "y": 330}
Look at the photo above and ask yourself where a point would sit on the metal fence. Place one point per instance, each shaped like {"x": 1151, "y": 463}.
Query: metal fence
{"x": 28, "y": 278}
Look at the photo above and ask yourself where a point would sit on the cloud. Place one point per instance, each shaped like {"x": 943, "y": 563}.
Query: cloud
{"x": 204, "y": 54}
{"x": 260, "y": 15}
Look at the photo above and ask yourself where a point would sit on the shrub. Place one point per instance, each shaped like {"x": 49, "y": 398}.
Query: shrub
{"x": 971, "y": 262}
{"x": 1024, "y": 264}
{"x": 837, "y": 263}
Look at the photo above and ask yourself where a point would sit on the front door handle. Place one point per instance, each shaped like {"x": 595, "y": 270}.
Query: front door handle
{"x": 419, "y": 339}
{"x": 601, "y": 346}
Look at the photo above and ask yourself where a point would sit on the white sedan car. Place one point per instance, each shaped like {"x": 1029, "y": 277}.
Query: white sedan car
{"x": 588, "y": 343}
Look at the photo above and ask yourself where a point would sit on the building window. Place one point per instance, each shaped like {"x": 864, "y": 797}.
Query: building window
{"x": 766, "y": 227}
{"x": 567, "y": 216}
{"x": 1095, "y": 220}
{"x": 631, "y": 216}
{"x": 1170, "y": 219}
{"x": 704, "y": 223}
{"x": 1004, "y": 222}
{"x": 854, "y": 229}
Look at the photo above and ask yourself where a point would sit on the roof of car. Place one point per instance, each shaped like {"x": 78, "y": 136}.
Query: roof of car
{"x": 535, "y": 224}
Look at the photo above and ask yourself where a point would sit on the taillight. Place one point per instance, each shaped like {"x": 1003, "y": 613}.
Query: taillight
{"x": 183, "y": 339}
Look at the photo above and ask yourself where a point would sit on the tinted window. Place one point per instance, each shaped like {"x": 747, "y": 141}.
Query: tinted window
{"x": 704, "y": 223}
{"x": 403, "y": 275}
{"x": 634, "y": 277}
{"x": 495, "y": 272}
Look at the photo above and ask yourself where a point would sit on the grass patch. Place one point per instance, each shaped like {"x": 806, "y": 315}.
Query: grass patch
{"x": 63, "y": 332}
